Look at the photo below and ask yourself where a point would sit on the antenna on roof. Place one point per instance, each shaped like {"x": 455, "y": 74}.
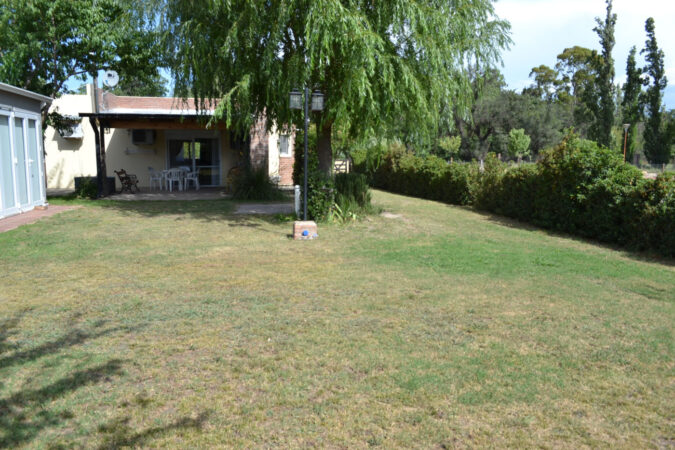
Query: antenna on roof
{"x": 110, "y": 78}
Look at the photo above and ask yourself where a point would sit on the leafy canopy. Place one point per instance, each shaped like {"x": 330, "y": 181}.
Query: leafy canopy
{"x": 377, "y": 62}
{"x": 43, "y": 43}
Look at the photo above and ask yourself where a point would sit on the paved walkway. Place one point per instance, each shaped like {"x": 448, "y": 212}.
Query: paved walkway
{"x": 17, "y": 220}
{"x": 265, "y": 208}
{"x": 207, "y": 193}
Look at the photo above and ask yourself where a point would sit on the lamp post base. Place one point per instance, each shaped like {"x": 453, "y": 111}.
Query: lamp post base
{"x": 304, "y": 230}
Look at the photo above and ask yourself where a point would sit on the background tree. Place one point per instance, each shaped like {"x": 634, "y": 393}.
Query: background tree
{"x": 604, "y": 110}
{"x": 497, "y": 110}
{"x": 378, "y": 63}
{"x": 449, "y": 147}
{"x": 546, "y": 83}
{"x": 630, "y": 107}
{"x": 578, "y": 67}
{"x": 656, "y": 149}
{"x": 519, "y": 144}
{"x": 46, "y": 43}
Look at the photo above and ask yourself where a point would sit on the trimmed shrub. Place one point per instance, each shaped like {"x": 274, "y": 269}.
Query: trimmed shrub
{"x": 576, "y": 187}
{"x": 427, "y": 177}
{"x": 320, "y": 196}
{"x": 654, "y": 227}
{"x": 87, "y": 188}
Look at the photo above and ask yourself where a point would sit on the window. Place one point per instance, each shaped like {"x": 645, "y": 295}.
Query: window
{"x": 284, "y": 145}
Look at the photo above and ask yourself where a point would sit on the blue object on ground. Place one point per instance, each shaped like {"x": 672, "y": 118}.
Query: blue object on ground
{"x": 305, "y": 232}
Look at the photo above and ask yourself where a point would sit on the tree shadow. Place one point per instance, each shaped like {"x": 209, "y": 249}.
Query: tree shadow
{"x": 8, "y": 328}
{"x": 25, "y": 412}
{"x": 516, "y": 224}
{"x": 203, "y": 210}
{"x": 23, "y": 415}
{"x": 70, "y": 339}
{"x": 118, "y": 433}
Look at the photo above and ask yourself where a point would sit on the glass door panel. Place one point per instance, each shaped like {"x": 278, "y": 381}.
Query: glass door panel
{"x": 199, "y": 154}
{"x": 6, "y": 163}
{"x": 20, "y": 166}
{"x": 180, "y": 153}
{"x": 33, "y": 162}
{"x": 207, "y": 160}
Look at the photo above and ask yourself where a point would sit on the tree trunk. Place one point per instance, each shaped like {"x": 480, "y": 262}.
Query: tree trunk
{"x": 324, "y": 149}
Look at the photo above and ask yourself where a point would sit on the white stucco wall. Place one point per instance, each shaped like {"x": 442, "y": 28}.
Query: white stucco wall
{"x": 69, "y": 158}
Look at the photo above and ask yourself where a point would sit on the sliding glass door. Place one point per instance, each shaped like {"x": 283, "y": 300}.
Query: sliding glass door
{"x": 198, "y": 153}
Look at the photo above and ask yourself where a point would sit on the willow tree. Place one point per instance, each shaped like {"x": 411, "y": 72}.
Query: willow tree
{"x": 377, "y": 63}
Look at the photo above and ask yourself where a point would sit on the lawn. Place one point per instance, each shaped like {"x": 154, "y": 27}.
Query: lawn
{"x": 172, "y": 324}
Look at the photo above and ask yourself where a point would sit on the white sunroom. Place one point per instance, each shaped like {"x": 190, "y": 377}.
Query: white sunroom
{"x": 22, "y": 180}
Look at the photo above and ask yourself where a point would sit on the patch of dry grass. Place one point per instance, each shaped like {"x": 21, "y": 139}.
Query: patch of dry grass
{"x": 181, "y": 325}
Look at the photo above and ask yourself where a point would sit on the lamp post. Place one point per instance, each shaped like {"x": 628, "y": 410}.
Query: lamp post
{"x": 317, "y": 105}
{"x": 625, "y": 139}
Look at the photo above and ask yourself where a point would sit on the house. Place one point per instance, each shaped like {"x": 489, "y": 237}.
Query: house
{"x": 109, "y": 132}
{"x": 22, "y": 186}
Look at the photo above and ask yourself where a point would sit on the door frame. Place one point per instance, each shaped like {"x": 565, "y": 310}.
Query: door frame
{"x": 12, "y": 114}
{"x": 191, "y": 135}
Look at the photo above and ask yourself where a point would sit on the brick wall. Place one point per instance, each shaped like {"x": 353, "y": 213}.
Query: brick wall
{"x": 286, "y": 170}
{"x": 259, "y": 144}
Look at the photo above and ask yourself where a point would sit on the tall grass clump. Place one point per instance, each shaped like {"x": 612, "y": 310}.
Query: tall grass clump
{"x": 254, "y": 183}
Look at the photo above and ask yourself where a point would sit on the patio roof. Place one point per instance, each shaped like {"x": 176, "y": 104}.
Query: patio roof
{"x": 135, "y": 112}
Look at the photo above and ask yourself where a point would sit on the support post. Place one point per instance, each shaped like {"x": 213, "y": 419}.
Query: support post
{"x": 104, "y": 172}
{"x": 306, "y": 119}
{"x": 97, "y": 141}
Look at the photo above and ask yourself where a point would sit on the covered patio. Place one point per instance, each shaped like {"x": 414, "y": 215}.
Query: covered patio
{"x": 155, "y": 137}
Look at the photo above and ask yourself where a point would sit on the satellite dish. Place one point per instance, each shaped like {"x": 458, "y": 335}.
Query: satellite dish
{"x": 110, "y": 78}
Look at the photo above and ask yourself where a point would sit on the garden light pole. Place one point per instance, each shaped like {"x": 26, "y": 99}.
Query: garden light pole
{"x": 317, "y": 105}
{"x": 625, "y": 139}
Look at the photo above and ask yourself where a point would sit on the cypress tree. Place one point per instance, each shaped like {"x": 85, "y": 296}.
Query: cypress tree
{"x": 604, "y": 114}
{"x": 657, "y": 150}
{"x": 630, "y": 107}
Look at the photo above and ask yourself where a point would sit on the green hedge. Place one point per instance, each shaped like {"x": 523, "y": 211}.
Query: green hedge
{"x": 576, "y": 187}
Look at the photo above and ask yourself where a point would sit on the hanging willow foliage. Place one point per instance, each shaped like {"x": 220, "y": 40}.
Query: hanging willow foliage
{"x": 377, "y": 62}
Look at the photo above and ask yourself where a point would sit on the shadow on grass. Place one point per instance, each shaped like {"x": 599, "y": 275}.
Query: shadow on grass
{"x": 118, "y": 433}
{"x": 25, "y": 413}
{"x": 204, "y": 210}
{"x": 516, "y": 224}
{"x": 70, "y": 339}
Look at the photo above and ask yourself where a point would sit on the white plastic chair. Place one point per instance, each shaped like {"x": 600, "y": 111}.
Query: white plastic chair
{"x": 174, "y": 176}
{"x": 156, "y": 178}
{"x": 194, "y": 177}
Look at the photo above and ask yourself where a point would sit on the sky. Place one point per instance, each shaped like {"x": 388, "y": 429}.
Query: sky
{"x": 541, "y": 29}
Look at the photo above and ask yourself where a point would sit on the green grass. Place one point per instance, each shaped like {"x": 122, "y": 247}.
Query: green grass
{"x": 176, "y": 324}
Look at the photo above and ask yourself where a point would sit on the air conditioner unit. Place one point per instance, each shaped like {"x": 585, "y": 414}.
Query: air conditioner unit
{"x": 142, "y": 137}
{"x": 72, "y": 132}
